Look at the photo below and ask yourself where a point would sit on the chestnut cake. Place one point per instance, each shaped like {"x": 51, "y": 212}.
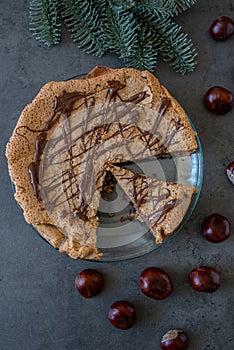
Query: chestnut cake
{"x": 74, "y": 132}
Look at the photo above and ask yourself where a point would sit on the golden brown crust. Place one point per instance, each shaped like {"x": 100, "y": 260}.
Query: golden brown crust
{"x": 75, "y": 250}
{"x": 51, "y": 234}
{"x": 57, "y": 239}
{"x": 98, "y": 71}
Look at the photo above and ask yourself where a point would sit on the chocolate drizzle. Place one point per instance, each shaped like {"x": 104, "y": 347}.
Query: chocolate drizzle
{"x": 116, "y": 107}
{"x": 142, "y": 192}
{"x": 163, "y": 106}
{"x": 113, "y": 92}
{"x": 63, "y": 105}
{"x": 160, "y": 214}
{"x": 33, "y": 178}
{"x": 113, "y": 88}
{"x": 142, "y": 189}
{"x": 65, "y": 102}
{"x": 40, "y": 145}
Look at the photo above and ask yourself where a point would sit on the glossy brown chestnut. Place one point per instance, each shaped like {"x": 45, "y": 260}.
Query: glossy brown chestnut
{"x": 204, "y": 279}
{"x": 89, "y": 283}
{"x": 230, "y": 172}
{"x": 222, "y": 28}
{"x": 218, "y": 100}
{"x": 155, "y": 283}
{"x": 216, "y": 228}
{"x": 175, "y": 339}
{"x": 122, "y": 315}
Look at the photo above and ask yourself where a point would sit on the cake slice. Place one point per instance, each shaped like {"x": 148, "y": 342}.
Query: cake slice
{"x": 161, "y": 205}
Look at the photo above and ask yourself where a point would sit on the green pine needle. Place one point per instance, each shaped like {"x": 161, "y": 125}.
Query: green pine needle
{"x": 143, "y": 55}
{"x": 44, "y": 21}
{"x": 169, "y": 41}
{"x": 175, "y": 46}
{"x": 82, "y": 21}
{"x": 182, "y": 5}
{"x": 137, "y": 30}
{"x": 159, "y": 8}
{"x": 121, "y": 30}
{"x": 127, "y": 4}
{"x": 155, "y": 8}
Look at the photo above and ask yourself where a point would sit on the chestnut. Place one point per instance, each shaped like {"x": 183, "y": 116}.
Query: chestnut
{"x": 222, "y": 28}
{"x": 122, "y": 315}
{"x": 218, "y": 100}
{"x": 216, "y": 228}
{"x": 204, "y": 279}
{"x": 89, "y": 283}
{"x": 230, "y": 172}
{"x": 174, "y": 339}
{"x": 155, "y": 283}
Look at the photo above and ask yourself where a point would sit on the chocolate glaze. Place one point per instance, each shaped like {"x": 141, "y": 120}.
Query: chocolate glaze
{"x": 142, "y": 189}
{"x": 166, "y": 101}
{"x": 33, "y": 178}
{"x": 161, "y": 111}
{"x": 176, "y": 126}
{"x": 40, "y": 144}
{"x": 161, "y": 213}
{"x": 113, "y": 88}
{"x": 63, "y": 107}
{"x": 65, "y": 102}
{"x": 142, "y": 193}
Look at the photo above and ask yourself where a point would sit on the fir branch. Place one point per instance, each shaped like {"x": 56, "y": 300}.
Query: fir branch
{"x": 102, "y": 8}
{"x": 121, "y": 30}
{"x": 83, "y": 23}
{"x": 168, "y": 40}
{"x": 44, "y": 21}
{"x": 125, "y": 36}
{"x": 182, "y": 5}
{"x": 155, "y": 8}
{"x": 143, "y": 55}
{"x": 137, "y": 30}
{"x": 126, "y": 4}
{"x": 173, "y": 45}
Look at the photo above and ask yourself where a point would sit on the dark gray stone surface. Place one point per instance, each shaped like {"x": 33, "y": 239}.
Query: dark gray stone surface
{"x": 39, "y": 306}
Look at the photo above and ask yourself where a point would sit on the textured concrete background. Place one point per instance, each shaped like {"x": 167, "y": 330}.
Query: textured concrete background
{"x": 39, "y": 306}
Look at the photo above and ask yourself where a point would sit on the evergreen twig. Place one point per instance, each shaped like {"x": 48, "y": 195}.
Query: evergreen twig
{"x": 121, "y": 30}
{"x": 82, "y": 21}
{"x": 159, "y": 8}
{"x": 174, "y": 46}
{"x": 182, "y": 5}
{"x": 137, "y": 30}
{"x": 143, "y": 55}
{"x": 44, "y": 21}
{"x": 155, "y": 8}
{"x": 169, "y": 42}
